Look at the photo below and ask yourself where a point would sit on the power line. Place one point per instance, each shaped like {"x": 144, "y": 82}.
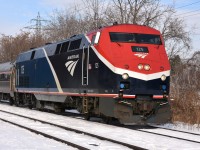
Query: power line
{"x": 38, "y": 24}
{"x": 191, "y": 15}
{"x": 188, "y": 12}
{"x": 188, "y": 5}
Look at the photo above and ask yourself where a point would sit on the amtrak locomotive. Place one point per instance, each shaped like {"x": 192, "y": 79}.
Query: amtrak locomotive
{"x": 120, "y": 71}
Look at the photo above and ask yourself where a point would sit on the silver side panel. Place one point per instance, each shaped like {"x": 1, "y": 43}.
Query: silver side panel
{"x": 51, "y": 98}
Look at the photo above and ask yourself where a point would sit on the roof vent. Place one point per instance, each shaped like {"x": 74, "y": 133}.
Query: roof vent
{"x": 115, "y": 23}
{"x": 72, "y": 36}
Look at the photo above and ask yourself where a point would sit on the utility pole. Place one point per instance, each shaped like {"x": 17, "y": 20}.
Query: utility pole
{"x": 38, "y": 24}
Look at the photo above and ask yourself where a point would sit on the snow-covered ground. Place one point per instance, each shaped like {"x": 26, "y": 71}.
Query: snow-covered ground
{"x": 15, "y": 138}
{"x": 137, "y": 138}
{"x": 83, "y": 140}
{"x": 183, "y": 127}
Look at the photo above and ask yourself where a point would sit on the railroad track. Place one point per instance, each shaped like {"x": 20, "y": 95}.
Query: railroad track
{"x": 79, "y": 116}
{"x": 132, "y": 136}
{"x": 45, "y": 135}
{"x": 191, "y": 133}
{"x": 37, "y": 126}
{"x": 170, "y": 133}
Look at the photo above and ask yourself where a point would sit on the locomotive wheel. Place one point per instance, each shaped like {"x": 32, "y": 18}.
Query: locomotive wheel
{"x": 107, "y": 119}
{"x": 16, "y": 101}
{"x": 59, "y": 110}
{"x": 30, "y": 106}
{"x": 11, "y": 102}
{"x": 87, "y": 116}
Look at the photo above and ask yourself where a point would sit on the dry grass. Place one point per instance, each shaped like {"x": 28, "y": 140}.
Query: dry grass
{"x": 186, "y": 107}
{"x": 185, "y": 90}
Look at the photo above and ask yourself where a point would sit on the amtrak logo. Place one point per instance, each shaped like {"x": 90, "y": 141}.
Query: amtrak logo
{"x": 141, "y": 55}
{"x": 71, "y": 65}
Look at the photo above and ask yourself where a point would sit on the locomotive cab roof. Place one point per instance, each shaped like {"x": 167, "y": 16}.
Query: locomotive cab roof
{"x": 73, "y": 43}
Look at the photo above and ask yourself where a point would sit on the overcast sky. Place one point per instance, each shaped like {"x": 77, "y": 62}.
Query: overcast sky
{"x": 16, "y": 14}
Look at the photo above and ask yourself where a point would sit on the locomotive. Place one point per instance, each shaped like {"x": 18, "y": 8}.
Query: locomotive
{"x": 120, "y": 71}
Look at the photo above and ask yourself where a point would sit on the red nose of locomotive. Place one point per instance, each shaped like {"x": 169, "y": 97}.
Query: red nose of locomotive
{"x": 135, "y": 49}
{"x": 138, "y": 53}
{"x": 134, "y": 66}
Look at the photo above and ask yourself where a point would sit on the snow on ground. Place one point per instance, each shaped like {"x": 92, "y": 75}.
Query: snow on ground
{"x": 80, "y": 139}
{"x": 16, "y": 138}
{"x": 137, "y": 138}
{"x": 183, "y": 127}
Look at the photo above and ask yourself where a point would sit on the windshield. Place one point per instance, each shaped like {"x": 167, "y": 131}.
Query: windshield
{"x": 135, "y": 38}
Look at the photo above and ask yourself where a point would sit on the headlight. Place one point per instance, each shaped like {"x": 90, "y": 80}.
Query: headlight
{"x": 164, "y": 87}
{"x": 125, "y": 76}
{"x": 163, "y": 77}
{"x": 147, "y": 67}
{"x": 140, "y": 66}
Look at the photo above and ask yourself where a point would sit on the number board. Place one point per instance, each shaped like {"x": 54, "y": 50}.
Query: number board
{"x": 139, "y": 49}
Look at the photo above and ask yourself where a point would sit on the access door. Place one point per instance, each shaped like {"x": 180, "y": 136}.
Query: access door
{"x": 85, "y": 65}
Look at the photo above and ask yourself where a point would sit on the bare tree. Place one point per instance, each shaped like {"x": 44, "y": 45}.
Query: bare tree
{"x": 153, "y": 14}
{"x": 177, "y": 39}
{"x": 11, "y": 46}
{"x": 62, "y": 25}
{"x": 185, "y": 87}
{"x": 95, "y": 12}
